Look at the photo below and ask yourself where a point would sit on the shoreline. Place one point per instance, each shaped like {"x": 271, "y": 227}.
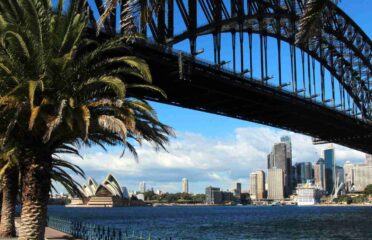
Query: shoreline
{"x": 214, "y": 205}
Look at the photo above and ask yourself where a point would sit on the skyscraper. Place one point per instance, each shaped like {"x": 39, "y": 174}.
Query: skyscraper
{"x": 330, "y": 169}
{"x": 185, "y": 185}
{"x": 319, "y": 174}
{"x": 304, "y": 172}
{"x": 142, "y": 187}
{"x": 257, "y": 185}
{"x": 236, "y": 189}
{"x": 289, "y": 177}
{"x": 276, "y": 183}
{"x": 278, "y": 159}
{"x": 340, "y": 179}
{"x": 288, "y": 143}
{"x": 348, "y": 175}
{"x": 308, "y": 171}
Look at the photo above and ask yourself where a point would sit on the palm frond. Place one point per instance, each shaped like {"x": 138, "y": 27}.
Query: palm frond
{"x": 54, "y": 121}
{"x": 86, "y": 118}
{"x": 114, "y": 125}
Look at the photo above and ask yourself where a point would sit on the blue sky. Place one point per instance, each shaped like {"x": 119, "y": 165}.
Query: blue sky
{"x": 211, "y": 149}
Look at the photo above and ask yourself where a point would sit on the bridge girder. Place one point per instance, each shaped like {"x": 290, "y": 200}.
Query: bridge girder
{"x": 343, "y": 48}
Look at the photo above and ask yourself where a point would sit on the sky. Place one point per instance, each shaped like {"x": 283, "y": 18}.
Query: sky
{"x": 211, "y": 149}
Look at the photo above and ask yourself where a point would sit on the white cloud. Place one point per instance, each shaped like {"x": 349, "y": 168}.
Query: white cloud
{"x": 204, "y": 161}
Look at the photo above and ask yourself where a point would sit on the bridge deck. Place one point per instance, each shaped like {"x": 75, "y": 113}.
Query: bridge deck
{"x": 207, "y": 89}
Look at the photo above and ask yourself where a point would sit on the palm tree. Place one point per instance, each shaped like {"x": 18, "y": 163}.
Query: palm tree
{"x": 10, "y": 186}
{"x": 130, "y": 10}
{"x": 59, "y": 90}
{"x": 10, "y": 176}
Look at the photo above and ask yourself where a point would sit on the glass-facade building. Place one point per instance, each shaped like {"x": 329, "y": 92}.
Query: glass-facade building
{"x": 304, "y": 172}
{"x": 330, "y": 169}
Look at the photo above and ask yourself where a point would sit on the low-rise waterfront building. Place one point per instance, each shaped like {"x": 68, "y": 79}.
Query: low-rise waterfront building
{"x": 308, "y": 194}
{"x": 227, "y": 197}
{"x": 141, "y": 196}
{"x": 213, "y": 195}
{"x": 216, "y": 196}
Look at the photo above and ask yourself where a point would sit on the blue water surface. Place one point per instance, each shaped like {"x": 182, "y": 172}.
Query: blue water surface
{"x": 235, "y": 222}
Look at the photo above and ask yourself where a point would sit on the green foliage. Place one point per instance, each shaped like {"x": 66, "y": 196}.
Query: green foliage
{"x": 174, "y": 197}
{"x": 348, "y": 199}
{"x": 245, "y": 198}
{"x": 343, "y": 199}
{"x": 360, "y": 199}
{"x": 368, "y": 190}
{"x": 59, "y": 89}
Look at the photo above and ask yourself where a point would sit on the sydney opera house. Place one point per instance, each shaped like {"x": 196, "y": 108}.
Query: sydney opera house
{"x": 107, "y": 194}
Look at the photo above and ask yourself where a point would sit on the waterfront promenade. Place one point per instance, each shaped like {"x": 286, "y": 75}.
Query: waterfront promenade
{"x": 50, "y": 233}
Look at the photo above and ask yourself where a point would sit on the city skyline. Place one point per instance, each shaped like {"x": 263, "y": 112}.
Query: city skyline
{"x": 225, "y": 183}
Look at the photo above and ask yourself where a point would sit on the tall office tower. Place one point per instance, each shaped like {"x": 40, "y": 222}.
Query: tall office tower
{"x": 304, "y": 172}
{"x": 294, "y": 177}
{"x": 276, "y": 184}
{"x": 257, "y": 185}
{"x": 270, "y": 160}
{"x": 340, "y": 179}
{"x": 300, "y": 172}
{"x": 278, "y": 159}
{"x": 319, "y": 174}
{"x": 362, "y": 175}
{"x": 348, "y": 175}
{"x": 236, "y": 189}
{"x": 308, "y": 171}
{"x": 185, "y": 185}
{"x": 288, "y": 143}
{"x": 288, "y": 146}
{"x": 330, "y": 169}
{"x": 142, "y": 187}
{"x": 369, "y": 159}
{"x": 253, "y": 185}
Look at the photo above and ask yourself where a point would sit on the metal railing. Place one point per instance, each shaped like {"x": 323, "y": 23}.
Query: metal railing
{"x": 89, "y": 231}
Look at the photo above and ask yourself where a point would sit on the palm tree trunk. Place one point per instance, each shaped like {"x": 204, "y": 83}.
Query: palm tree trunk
{"x": 36, "y": 184}
{"x": 10, "y": 190}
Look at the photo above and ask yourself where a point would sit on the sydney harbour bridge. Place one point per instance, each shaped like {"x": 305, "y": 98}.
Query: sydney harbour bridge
{"x": 321, "y": 87}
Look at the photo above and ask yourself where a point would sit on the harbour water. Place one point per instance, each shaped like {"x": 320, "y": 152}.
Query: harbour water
{"x": 235, "y": 222}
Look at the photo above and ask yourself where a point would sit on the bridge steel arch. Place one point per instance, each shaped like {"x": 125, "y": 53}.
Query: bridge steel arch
{"x": 341, "y": 47}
